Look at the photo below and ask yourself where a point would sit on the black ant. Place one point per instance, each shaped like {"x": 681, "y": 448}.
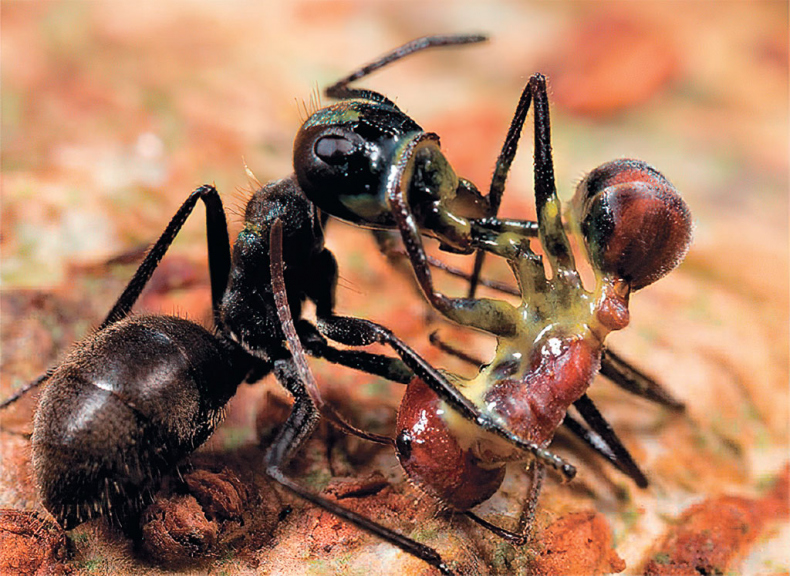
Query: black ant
{"x": 143, "y": 392}
{"x": 635, "y": 228}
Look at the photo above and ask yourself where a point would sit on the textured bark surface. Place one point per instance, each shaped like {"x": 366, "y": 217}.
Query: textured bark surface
{"x": 112, "y": 113}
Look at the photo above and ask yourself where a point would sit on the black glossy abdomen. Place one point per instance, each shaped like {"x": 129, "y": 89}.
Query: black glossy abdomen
{"x": 123, "y": 408}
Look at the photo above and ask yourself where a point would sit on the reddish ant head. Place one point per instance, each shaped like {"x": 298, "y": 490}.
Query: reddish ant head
{"x": 635, "y": 224}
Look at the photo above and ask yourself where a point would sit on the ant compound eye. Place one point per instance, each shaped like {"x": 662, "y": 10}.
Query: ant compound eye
{"x": 334, "y": 149}
{"x": 634, "y": 222}
{"x": 403, "y": 444}
{"x": 323, "y": 154}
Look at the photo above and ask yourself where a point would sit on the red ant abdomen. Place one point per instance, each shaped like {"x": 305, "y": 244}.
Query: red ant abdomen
{"x": 634, "y": 222}
{"x": 124, "y": 408}
{"x": 434, "y": 451}
{"x": 433, "y": 456}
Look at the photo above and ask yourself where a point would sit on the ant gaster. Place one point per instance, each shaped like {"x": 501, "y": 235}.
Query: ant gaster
{"x": 634, "y": 228}
{"x": 143, "y": 392}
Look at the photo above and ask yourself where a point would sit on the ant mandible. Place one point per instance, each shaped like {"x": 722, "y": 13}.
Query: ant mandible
{"x": 634, "y": 227}
{"x": 143, "y": 392}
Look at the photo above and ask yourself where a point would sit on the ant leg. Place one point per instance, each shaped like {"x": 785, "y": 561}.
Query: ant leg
{"x": 322, "y": 293}
{"x": 612, "y": 448}
{"x": 218, "y": 257}
{"x": 595, "y": 442}
{"x": 26, "y": 388}
{"x": 398, "y": 253}
{"x": 218, "y": 253}
{"x": 315, "y": 344}
{"x": 527, "y": 518}
{"x": 360, "y": 332}
{"x": 525, "y": 228}
{"x": 302, "y": 371}
{"x": 434, "y": 339}
{"x": 341, "y": 89}
{"x": 486, "y": 314}
{"x": 520, "y": 536}
{"x": 552, "y": 234}
{"x": 631, "y": 379}
{"x": 501, "y": 171}
{"x": 298, "y": 427}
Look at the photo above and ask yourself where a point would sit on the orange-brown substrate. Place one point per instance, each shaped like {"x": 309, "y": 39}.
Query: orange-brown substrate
{"x": 710, "y": 537}
{"x": 578, "y": 543}
{"x": 29, "y": 545}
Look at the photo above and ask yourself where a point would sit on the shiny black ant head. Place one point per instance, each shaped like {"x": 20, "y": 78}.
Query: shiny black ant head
{"x": 342, "y": 155}
{"x": 635, "y": 224}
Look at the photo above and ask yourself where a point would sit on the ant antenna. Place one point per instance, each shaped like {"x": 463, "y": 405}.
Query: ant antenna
{"x": 340, "y": 88}
{"x": 295, "y": 345}
{"x": 26, "y": 388}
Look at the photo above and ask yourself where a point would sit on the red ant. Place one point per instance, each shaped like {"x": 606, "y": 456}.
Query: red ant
{"x": 631, "y": 221}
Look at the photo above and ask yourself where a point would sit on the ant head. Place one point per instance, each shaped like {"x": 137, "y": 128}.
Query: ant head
{"x": 342, "y": 154}
{"x": 635, "y": 224}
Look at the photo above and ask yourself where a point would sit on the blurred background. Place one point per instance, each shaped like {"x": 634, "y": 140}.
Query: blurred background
{"x": 113, "y": 112}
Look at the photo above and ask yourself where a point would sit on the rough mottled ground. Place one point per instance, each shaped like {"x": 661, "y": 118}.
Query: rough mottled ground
{"x": 113, "y": 112}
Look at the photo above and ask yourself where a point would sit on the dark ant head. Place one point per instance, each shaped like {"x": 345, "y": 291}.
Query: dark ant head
{"x": 342, "y": 155}
{"x": 635, "y": 224}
